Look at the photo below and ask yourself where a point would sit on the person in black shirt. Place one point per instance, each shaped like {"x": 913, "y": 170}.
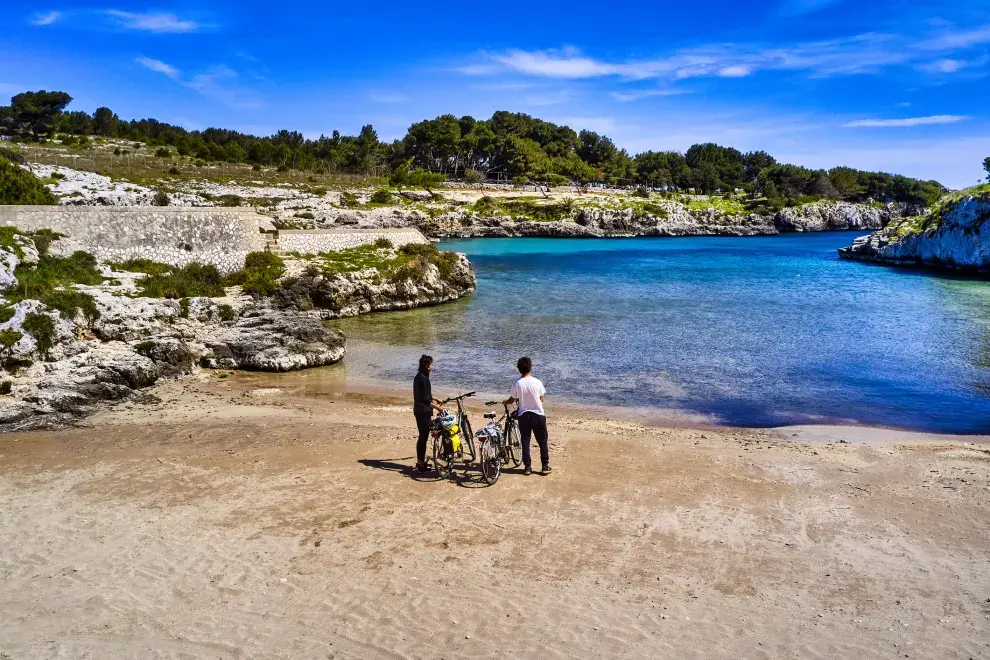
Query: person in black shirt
{"x": 423, "y": 406}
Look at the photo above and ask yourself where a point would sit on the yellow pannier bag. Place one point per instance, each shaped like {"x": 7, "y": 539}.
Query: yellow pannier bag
{"x": 455, "y": 437}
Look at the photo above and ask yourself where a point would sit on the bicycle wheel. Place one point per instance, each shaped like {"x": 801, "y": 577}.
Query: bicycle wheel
{"x": 467, "y": 437}
{"x": 513, "y": 443}
{"x": 443, "y": 461}
{"x": 491, "y": 462}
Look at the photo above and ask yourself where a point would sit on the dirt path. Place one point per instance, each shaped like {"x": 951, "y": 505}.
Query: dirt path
{"x": 213, "y": 522}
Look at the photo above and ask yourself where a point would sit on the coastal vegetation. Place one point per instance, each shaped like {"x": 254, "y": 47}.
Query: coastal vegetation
{"x": 409, "y": 262}
{"x": 507, "y": 147}
{"x": 18, "y": 186}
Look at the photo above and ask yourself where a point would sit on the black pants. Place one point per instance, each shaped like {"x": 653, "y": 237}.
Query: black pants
{"x": 423, "y": 421}
{"x": 532, "y": 423}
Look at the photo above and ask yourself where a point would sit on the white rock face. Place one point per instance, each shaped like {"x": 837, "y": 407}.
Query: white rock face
{"x": 958, "y": 239}
{"x": 92, "y": 189}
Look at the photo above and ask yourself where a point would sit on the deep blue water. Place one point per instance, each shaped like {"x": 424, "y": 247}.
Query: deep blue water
{"x": 744, "y": 331}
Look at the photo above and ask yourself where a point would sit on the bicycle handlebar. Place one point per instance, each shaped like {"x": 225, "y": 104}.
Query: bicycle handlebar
{"x": 458, "y": 398}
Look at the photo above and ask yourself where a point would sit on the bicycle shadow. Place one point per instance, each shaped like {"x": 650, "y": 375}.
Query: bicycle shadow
{"x": 405, "y": 469}
{"x": 475, "y": 479}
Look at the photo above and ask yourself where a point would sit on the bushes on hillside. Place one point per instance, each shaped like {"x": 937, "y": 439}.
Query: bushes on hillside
{"x": 260, "y": 275}
{"x": 18, "y": 186}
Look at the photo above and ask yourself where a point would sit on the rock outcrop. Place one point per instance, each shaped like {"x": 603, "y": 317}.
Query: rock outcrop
{"x": 137, "y": 341}
{"x": 956, "y": 236}
{"x": 361, "y": 292}
{"x": 664, "y": 218}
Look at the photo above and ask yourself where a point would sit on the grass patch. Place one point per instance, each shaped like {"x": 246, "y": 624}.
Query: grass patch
{"x": 409, "y": 262}
{"x": 164, "y": 281}
{"x": 525, "y": 208}
{"x": 728, "y": 205}
{"x": 260, "y": 275}
{"x": 51, "y": 283}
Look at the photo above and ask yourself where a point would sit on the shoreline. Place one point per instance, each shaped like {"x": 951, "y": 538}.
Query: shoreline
{"x": 648, "y": 417}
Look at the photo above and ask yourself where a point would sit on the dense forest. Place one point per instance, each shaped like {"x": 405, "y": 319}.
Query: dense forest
{"x": 507, "y": 147}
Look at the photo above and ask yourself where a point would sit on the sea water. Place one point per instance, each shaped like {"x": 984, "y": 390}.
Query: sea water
{"x": 761, "y": 331}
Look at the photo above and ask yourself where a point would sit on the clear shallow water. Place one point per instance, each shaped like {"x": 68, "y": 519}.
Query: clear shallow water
{"x": 744, "y": 331}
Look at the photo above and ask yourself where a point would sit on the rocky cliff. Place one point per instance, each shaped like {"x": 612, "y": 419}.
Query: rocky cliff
{"x": 662, "y": 218}
{"x": 56, "y": 366}
{"x": 955, "y": 235}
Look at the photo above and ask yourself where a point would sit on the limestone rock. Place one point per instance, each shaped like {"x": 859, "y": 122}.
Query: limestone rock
{"x": 351, "y": 294}
{"x": 955, "y": 236}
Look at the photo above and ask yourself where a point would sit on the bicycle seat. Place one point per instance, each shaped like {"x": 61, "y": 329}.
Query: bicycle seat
{"x": 490, "y": 415}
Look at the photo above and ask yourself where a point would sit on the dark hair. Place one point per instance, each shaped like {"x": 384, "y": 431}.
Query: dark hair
{"x": 525, "y": 365}
{"x": 425, "y": 361}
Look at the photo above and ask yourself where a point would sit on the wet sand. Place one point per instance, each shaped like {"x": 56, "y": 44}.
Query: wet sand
{"x": 251, "y": 517}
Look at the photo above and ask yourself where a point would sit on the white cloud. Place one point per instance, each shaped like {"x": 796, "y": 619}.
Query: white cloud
{"x": 159, "y": 66}
{"x": 735, "y": 71}
{"x": 565, "y": 65}
{"x": 863, "y": 53}
{"x": 153, "y": 21}
{"x": 910, "y": 121}
{"x": 638, "y": 95}
{"x": 46, "y": 19}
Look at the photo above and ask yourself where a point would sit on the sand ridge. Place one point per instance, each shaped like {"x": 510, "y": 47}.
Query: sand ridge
{"x": 211, "y": 521}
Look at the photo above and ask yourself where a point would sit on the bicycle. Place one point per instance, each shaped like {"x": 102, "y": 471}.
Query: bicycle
{"x": 467, "y": 434}
{"x": 444, "y": 454}
{"x": 499, "y": 445}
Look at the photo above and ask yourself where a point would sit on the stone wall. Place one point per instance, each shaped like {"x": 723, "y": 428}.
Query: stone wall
{"x": 176, "y": 236}
{"x": 327, "y": 240}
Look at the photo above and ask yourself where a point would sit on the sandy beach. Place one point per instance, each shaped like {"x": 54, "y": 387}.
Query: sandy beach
{"x": 241, "y": 517}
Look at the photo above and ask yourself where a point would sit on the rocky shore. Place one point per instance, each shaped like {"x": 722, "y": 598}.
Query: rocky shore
{"x": 58, "y": 366}
{"x": 953, "y": 236}
{"x": 664, "y": 218}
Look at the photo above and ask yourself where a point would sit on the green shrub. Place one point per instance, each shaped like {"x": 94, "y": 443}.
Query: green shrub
{"x": 184, "y": 308}
{"x": 6, "y": 386}
{"x": 520, "y": 180}
{"x": 8, "y": 337}
{"x": 256, "y": 167}
{"x": 160, "y": 198}
{"x": 230, "y": 200}
{"x": 383, "y": 243}
{"x": 162, "y": 152}
{"x": 349, "y": 199}
{"x": 305, "y": 215}
{"x": 260, "y": 275}
{"x": 42, "y": 328}
{"x": 473, "y": 176}
{"x": 319, "y": 192}
{"x": 227, "y": 313}
{"x": 381, "y": 196}
{"x": 43, "y": 239}
{"x": 146, "y": 266}
{"x": 116, "y": 151}
{"x": 18, "y": 186}
{"x": 6, "y": 313}
{"x": 192, "y": 280}
{"x": 641, "y": 192}
{"x": 13, "y": 155}
{"x": 70, "y": 302}
{"x": 173, "y": 170}
{"x": 50, "y": 282}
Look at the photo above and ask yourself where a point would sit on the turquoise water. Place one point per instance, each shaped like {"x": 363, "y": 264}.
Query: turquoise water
{"x": 743, "y": 331}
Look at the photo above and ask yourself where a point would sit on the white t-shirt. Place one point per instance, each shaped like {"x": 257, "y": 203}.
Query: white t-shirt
{"x": 527, "y": 390}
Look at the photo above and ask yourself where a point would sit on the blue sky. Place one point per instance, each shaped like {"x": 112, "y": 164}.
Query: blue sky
{"x": 876, "y": 84}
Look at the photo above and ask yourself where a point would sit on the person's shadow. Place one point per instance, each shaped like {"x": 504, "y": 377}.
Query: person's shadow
{"x": 405, "y": 469}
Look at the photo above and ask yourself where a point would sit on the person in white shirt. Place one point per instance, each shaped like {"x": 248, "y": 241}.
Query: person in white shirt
{"x": 529, "y": 392}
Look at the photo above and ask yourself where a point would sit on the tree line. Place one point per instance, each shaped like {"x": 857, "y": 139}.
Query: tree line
{"x": 508, "y": 146}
